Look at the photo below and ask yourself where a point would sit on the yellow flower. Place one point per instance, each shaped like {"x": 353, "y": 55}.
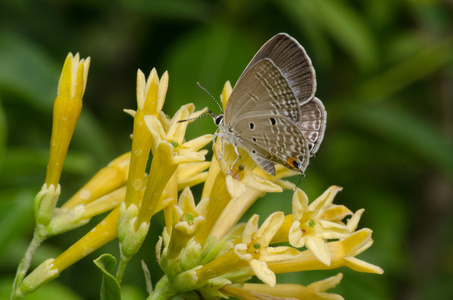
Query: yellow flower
{"x": 169, "y": 150}
{"x": 203, "y": 251}
{"x": 315, "y": 290}
{"x": 238, "y": 206}
{"x": 310, "y": 229}
{"x": 165, "y": 138}
{"x": 187, "y": 220}
{"x": 191, "y": 174}
{"x": 100, "y": 235}
{"x": 342, "y": 253}
{"x": 105, "y": 181}
{"x": 253, "y": 250}
{"x": 150, "y": 99}
{"x": 66, "y": 112}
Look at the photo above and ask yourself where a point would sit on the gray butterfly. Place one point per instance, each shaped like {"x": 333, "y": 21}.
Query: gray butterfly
{"x": 272, "y": 112}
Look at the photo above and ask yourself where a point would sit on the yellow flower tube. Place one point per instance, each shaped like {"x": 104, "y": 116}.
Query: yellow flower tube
{"x": 66, "y": 112}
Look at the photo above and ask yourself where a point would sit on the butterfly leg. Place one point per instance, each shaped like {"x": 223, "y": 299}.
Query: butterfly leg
{"x": 219, "y": 135}
{"x": 237, "y": 157}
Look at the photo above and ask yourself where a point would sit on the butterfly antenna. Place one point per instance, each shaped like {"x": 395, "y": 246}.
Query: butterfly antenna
{"x": 218, "y": 104}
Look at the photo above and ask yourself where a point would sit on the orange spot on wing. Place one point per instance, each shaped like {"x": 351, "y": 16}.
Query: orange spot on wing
{"x": 293, "y": 162}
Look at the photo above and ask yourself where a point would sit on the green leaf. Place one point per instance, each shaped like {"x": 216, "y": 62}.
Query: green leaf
{"x": 3, "y": 132}
{"x": 407, "y": 131}
{"x": 21, "y": 163}
{"x": 415, "y": 68}
{"x": 211, "y": 57}
{"x": 344, "y": 24}
{"x": 110, "y": 288}
{"x": 175, "y": 9}
{"x": 16, "y": 214}
{"x": 52, "y": 290}
{"x": 305, "y": 19}
{"x": 350, "y": 30}
{"x": 28, "y": 72}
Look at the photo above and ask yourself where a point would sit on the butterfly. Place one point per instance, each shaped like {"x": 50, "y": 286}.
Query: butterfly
{"x": 272, "y": 112}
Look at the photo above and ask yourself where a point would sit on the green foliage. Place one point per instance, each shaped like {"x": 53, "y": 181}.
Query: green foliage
{"x": 384, "y": 72}
{"x": 110, "y": 289}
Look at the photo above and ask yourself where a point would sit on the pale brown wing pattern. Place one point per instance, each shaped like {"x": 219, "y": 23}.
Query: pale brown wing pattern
{"x": 274, "y": 138}
{"x": 262, "y": 89}
{"x": 313, "y": 123}
{"x": 294, "y": 63}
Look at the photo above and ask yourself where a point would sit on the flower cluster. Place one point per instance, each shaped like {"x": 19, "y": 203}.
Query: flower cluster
{"x": 204, "y": 251}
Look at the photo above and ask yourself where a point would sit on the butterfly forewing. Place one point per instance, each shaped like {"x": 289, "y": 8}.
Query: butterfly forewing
{"x": 294, "y": 63}
{"x": 262, "y": 89}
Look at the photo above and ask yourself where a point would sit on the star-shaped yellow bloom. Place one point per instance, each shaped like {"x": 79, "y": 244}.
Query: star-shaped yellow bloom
{"x": 310, "y": 229}
{"x": 254, "y": 247}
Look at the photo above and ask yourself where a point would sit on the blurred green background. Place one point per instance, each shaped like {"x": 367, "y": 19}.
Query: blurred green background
{"x": 384, "y": 72}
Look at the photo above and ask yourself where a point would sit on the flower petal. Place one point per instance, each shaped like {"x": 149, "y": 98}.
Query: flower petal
{"x": 319, "y": 249}
{"x": 263, "y": 272}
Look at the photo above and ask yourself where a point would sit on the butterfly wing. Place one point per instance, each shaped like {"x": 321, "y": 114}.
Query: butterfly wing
{"x": 262, "y": 89}
{"x": 293, "y": 62}
{"x": 272, "y": 138}
{"x": 272, "y": 111}
{"x": 313, "y": 123}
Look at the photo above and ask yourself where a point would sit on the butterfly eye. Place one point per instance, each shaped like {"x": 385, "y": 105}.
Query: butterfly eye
{"x": 293, "y": 162}
{"x": 218, "y": 120}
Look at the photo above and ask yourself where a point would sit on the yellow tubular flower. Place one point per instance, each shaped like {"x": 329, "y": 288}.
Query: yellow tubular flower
{"x": 169, "y": 150}
{"x": 66, "y": 112}
{"x": 237, "y": 207}
{"x": 149, "y": 102}
{"x": 203, "y": 251}
{"x": 171, "y": 191}
{"x": 100, "y": 235}
{"x": 310, "y": 229}
{"x": 315, "y": 290}
{"x": 226, "y": 93}
{"x": 105, "y": 203}
{"x": 218, "y": 200}
{"x": 253, "y": 250}
{"x": 105, "y": 181}
{"x": 191, "y": 174}
{"x": 342, "y": 253}
{"x": 187, "y": 220}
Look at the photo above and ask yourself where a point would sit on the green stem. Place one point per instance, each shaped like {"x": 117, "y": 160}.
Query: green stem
{"x": 121, "y": 268}
{"x": 24, "y": 264}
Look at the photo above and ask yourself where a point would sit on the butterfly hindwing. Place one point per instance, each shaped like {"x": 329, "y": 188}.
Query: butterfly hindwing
{"x": 273, "y": 138}
{"x": 313, "y": 123}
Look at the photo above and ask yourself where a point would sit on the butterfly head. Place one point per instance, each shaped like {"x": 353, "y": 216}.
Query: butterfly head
{"x": 218, "y": 119}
